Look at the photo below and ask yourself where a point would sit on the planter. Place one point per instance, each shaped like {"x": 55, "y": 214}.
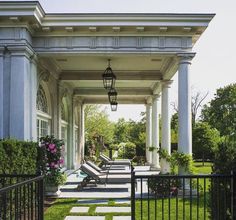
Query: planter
{"x": 52, "y": 190}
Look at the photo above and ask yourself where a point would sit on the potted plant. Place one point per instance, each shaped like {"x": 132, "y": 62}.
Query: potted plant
{"x": 51, "y": 164}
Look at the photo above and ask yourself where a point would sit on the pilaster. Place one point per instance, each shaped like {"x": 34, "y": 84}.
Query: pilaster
{"x": 20, "y": 80}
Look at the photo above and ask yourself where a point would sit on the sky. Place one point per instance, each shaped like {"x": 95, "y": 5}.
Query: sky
{"x": 213, "y": 65}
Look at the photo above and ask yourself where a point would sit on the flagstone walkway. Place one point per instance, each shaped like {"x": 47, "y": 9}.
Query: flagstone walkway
{"x": 94, "y": 202}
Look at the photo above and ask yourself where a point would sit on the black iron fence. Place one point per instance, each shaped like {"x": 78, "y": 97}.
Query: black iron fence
{"x": 21, "y": 197}
{"x": 184, "y": 197}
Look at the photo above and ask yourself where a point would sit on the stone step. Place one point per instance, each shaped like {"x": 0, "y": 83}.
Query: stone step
{"x": 122, "y": 201}
{"x": 85, "y": 218}
{"x": 121, "y": 217}
{"x": 79, "y": 209}
{"x": 111, "y": 209}
{"x": 93, "y": 201}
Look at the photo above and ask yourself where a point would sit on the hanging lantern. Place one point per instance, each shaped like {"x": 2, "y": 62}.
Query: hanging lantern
{"x": 114, "y": 106}
{"x": 112, "y": 95}
{"x": 109, "y": 77}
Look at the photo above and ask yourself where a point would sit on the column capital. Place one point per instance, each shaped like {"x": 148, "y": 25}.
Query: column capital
{"x": 155, "y": 97}
{"x": 166, "y": 83}
{"x": 21, "y": 50}
{"x": 149, "y": 101}
{"x": 185, "y": 58}
{"x": 77, "y": 101}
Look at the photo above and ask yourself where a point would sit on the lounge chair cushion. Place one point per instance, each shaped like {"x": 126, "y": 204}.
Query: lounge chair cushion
{"x": 103, "y": 178}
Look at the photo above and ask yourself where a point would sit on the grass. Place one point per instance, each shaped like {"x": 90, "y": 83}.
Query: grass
{"x": 200, "y": 169}
{"x": 61, "y": 207}
{"x": 173, "y": 208}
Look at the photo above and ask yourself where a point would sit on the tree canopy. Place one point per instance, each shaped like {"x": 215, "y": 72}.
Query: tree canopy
{"x": 205, "y": 140}
{"x": 221, "y": 112}
{"x": 97, "y": 124}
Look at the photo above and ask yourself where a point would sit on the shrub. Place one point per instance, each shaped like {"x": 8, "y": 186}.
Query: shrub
{"x": 164, "y": 187}
{"x": 18, "y": 157}
{"x": 224, "y": 162}
{"x": 128, "y": 151}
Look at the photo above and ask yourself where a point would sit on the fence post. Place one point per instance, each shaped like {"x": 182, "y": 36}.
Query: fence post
{"x": 41, "y": 199}
{"x": 132, "y": 193}
{"x": 233, "y": 200}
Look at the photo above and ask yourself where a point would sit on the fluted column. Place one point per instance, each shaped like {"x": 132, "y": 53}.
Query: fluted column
{"x": 166, "y": 129}
{"x": 184, "y": 106}
{"x": 148, "y": 133}
{"x": 155, "y": 133}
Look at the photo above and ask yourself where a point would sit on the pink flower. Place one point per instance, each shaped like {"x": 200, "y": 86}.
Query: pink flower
{"x": 61, "y": 161}
{"x": 51, "y": 146}
{"x": 52, "y": 164}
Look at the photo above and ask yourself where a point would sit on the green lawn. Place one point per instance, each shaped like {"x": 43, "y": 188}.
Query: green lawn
{"x": 200, "y": 169}
{"x": 176, "y": 208}
{"x": 61, "y": 208}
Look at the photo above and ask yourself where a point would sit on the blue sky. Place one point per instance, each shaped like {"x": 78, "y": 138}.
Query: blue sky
{"x": 213, "y": 66}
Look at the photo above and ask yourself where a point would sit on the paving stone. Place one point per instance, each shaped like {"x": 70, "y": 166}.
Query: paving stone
{"x": 79, "y": 210}
{"x": 121, "y": 217}
{"x": 122, "y": 201}
{"x": 93, "y": 201}
{"x": 85, "y": 218}
{"x": 113, "y": 209}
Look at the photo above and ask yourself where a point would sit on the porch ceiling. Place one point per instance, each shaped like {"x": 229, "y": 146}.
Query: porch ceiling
{"x": 138, "y": 76}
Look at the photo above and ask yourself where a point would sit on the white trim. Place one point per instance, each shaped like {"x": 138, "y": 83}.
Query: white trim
{"x": 43, "y": 115}
{"x": 64, "y": 123}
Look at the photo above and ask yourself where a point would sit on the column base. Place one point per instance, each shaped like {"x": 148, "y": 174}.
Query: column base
{"x": 155, "y": 167}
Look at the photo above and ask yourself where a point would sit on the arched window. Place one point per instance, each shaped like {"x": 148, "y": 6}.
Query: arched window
{"x": 42, "y": 100}
{"x": 43, "y": 113}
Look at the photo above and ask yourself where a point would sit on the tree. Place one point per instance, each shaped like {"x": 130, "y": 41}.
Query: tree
{"x": 121, "y": 131}
{"x": 221, "y": 112}
{"x": 205, "y": 141}
{"x": 97, "y": 124}
{"x": 196, "y": 104}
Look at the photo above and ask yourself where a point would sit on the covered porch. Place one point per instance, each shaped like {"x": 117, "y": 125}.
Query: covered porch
{"x": 55, "y": 63}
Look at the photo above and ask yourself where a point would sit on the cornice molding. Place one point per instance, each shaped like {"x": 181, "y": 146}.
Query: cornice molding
{"x": 32, "y": 14}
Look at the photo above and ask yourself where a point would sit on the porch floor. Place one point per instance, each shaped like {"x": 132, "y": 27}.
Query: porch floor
{"x": 70, "y": 189}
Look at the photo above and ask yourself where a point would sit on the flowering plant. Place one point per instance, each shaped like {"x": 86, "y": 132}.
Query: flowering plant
{"x": 51, "y": 160}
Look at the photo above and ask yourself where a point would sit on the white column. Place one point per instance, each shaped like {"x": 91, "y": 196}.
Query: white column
{"x": 82, "y": 132}
{"x": 155, "y": 133}
{"x": 166, "y": 129}
{"x": 81, "y": 138}
{"x": 71, "y": 133}
{"x": 148, "y": 133}
{"x": 184, "y": 106}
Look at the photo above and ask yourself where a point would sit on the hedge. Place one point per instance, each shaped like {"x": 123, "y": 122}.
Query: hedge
{"x": 18, "y": 157}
